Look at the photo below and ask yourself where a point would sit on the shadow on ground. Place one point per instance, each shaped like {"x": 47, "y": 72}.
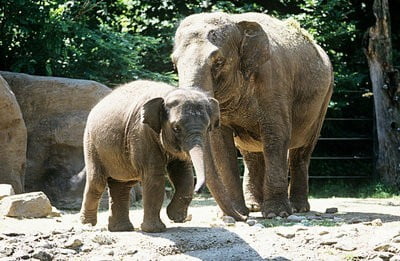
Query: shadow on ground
{"x": 203, "y": 243}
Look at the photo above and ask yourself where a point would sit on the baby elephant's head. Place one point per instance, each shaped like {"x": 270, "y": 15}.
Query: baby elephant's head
{"x": 183, "y": 118}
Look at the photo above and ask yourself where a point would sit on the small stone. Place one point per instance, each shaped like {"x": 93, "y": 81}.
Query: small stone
{"x": 328, "y": 242}
{"x": 259, "y": 226}
{"x": 323, "y": 232}
{"x": 346, "y": 246}
{"x": 251, "y": 222}
{"x": 377, "y": 222}
{"x": 285, "y": 234}
{"x": 6, "y": 190}
{"x": 386, "y": 256}
{"x": 8, "y": 251}
{"x": 383, "y": 247}
{"x": 340, "y": 235}
{"x": 301, "y": 228}
{"x": 131, "y": 252}
{"x": 294, "y": 218}
{"x": 331, "y": 210}
{"x": 228, "y": 220}
{"x": 42, "y": 256}
{"x": 396, "y": 239}
{"x": 73, "y": 243}
{"x": 103, "y": 239}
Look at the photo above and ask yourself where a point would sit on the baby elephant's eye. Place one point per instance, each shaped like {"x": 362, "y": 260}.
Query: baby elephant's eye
{"x": 176, "y": 129}
{"x": 219, "y": 63}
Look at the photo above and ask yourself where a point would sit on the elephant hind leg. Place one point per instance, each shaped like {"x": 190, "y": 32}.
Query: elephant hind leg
{"x": 299, "y": 160}
{"x": 119, "y": 205}
{"x": 94, "y": 188}
{"x": 253, "y": 179}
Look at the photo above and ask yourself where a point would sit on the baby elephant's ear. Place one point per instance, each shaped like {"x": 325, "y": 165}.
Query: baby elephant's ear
{"x": 153, "y": 113}
{"x": 214, "y": 114}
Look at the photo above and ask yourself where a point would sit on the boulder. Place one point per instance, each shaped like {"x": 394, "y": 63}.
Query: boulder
{"x": 12, "y": 139}
{"x": 55, "y": 111}
{"x": 26, "y": 205}
{"x": 6, "y": 190}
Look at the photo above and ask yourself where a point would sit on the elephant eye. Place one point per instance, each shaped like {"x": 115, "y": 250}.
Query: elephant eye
{"x": 219, "y": 63}
{"x": 176, "y": 129}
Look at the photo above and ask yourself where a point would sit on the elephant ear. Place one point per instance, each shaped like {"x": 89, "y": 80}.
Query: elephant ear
{"x": 153, "y": 113}
{"x": 214, "y": 113}
{"x": 254, "y": 48}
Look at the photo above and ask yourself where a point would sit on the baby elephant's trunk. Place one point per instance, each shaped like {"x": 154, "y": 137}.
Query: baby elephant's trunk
{"x": 197, "y": 155}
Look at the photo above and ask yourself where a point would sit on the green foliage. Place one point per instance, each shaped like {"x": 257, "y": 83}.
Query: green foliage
{"x": 359, "y": 188}
{"x": 116, "y": 41}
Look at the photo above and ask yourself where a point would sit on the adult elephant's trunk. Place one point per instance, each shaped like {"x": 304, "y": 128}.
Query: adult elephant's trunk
{"x": 203, "y": 163}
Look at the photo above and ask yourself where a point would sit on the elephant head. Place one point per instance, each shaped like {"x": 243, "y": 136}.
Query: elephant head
{"x": 219, "y": 55}
{"x": 183, "y": 119}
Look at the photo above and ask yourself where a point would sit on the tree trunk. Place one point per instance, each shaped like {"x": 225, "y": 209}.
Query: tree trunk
{"x": 386, "y": 89}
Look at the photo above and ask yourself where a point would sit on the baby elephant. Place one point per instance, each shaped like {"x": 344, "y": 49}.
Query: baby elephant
{"x": 140, "y": 132}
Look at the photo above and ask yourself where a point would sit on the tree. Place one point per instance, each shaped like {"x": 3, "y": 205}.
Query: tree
{"x": 386, "y": 89}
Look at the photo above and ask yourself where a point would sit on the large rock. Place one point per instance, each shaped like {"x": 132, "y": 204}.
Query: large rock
{"x": 55, "y": 112}
{"x": 26, "y": 205}
{"x": 12, "y": 139}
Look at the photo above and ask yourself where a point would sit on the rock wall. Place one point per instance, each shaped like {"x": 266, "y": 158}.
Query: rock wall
{"x": 55, "y": 111}
{"x": 13, "y": 138}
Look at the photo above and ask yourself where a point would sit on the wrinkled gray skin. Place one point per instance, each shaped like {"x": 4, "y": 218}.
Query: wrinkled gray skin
{"x": 143, "y": 131}
{"x": 273, "y": 85}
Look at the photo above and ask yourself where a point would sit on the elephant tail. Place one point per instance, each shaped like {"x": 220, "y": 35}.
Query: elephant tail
{"x": 77, "y": 180}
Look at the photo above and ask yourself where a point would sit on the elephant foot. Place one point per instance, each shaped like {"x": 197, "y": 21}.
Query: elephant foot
{"x": 88, "y": 218}
{"x": 242, "y": 209}
{"x": 300, "y": 205}
{"x": 276, "y": 207}
{"x": 120, "y": 226}
{"x": 178, "y": 216}
{"x": 153, "y": 227}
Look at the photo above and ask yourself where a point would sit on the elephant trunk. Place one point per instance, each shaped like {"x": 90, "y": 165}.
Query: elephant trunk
{"x": 217, "y": 188}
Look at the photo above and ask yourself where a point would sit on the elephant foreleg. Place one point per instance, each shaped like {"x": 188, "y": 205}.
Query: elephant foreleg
{"x": 153, "y": 189}
{"x": 119, "y": 205}
{"x": 253, "y": 179}
{"x": 181, "y": 175}
{"x": 224, "y": 153}
{"x": 275, "y": 186}
{"x": 299, "y": 160}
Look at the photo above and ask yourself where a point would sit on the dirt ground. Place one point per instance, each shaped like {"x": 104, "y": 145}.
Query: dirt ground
{"x": 362, "y": 229}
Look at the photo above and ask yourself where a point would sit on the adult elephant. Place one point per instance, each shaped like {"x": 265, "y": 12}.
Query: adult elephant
{"x": 273, "y": 84}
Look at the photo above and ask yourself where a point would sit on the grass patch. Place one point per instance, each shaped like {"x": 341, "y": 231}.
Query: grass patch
{"x": 351, "y": 188}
